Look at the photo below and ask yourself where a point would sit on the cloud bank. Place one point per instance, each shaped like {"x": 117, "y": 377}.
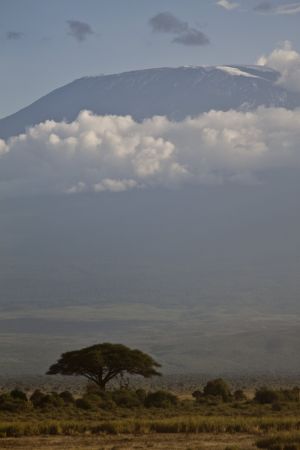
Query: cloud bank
{"x": 286, "y": 61}
{"x": 166, "y": 22}
{"x": 112, "y": 153}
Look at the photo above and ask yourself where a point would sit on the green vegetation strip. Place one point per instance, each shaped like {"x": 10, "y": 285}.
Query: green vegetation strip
{"x": 143, "y": 426}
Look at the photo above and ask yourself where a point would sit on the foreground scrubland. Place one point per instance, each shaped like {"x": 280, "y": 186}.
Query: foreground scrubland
{"x": 213, "y": 417}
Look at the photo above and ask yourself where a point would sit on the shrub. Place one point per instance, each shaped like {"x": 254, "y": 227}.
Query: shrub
{"x": 17, "y": 394}
{"x": 107, "y": 404}
{"x": 98, "y": 398}
{"x": 265, "y": 395}
{"x": 218, "y": 388}
{"x": 290, "y": 395}
{"x": 198, "y": 395}
{"x": 67, "y": 397}
{"x": 41, "y": 400}
{"x": 276, "y": 406}
{"x": 141, "y": 394}
{"x": 160, "y": 399}
{"x": 239, "y": 395}
{"x": 36, "y": 398}
{"x": 7, "y": 403}
{"x": 126, "y": 398}
{"x": 296, "y": 393}
{"x": 83, "y": 403}
{"x": 92, "y": 388}
{"x": 51, "y": 400}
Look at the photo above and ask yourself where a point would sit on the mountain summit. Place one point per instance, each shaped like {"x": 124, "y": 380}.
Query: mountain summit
{"x": 172, "y": 92}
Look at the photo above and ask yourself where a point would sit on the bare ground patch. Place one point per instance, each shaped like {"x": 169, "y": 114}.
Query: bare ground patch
{"x": 153, "y": 441}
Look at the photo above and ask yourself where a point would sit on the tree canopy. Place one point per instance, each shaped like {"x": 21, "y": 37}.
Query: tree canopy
{"x": 102, "y": 363}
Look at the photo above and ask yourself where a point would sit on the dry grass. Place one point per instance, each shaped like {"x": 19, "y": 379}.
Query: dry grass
{"x": 133, "y": 426}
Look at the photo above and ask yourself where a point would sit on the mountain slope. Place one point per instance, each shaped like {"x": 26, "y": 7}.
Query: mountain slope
{"x": 173, "y": 92}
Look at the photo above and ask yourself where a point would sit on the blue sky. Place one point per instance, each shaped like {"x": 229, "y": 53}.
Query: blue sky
{"x": 38, "y": 53}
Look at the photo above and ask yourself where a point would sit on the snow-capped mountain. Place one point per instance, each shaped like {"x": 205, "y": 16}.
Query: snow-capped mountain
{"x": 172, "y": 92}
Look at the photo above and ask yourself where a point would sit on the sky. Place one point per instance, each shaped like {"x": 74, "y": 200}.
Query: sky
{"x": 46, "y": 44}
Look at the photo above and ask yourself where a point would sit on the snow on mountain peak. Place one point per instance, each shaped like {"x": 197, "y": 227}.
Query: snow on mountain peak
{"x": 234, "y": 71}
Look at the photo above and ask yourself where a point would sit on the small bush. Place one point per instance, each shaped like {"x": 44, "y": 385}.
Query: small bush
{"x": 41, "y": 400}
{"x": 198, "y": 395}
{"x": 239, "y": 395}
{"x": 141, "y": 394}
{"x": 9, "y": 404}
{"x": 160, "y": 399}
{"x": 265, "y": 395}
{"x": 83, "y": 403}
{"x": 51, "y": 400}
{"x": 36, "y": 398}
{"x": 92, "y": 388}
{"x": 67, "y": 397}
{"x": 17, "y": 394}
{"x": 99, "y": 399}
{"x": 276, "y": 407}
{"x": 126, "y": 398}
{"x": 218, "y": 388}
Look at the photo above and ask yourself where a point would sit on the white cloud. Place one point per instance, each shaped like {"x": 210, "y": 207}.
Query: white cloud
{"x": 227, "y": 4}
{"x": 286, "y": 61}
{"x": 111, "y": 185}
{"x": 3, "y": 147}
{"x": 77, "y": 188}
{"x": 112, "y": 153}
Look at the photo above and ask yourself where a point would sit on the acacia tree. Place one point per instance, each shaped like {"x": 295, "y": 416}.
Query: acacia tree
{"x": 102, "y": 363}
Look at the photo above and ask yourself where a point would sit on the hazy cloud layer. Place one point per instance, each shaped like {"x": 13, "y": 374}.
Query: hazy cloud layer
{"x": 14, "y": 35}
{"x": 111, "y": 153}
{"x": 166, "y": 22}
{"x": 79, "y": 30}
{"x": 285, "y": 60}
{"x": 226, "y": 4}
{"x": 267, "y": 7}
